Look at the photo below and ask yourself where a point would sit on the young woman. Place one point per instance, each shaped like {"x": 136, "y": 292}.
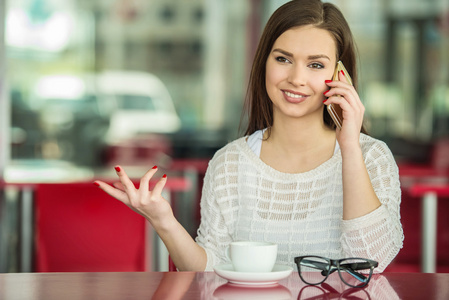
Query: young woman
{"x": 293, "y": 179}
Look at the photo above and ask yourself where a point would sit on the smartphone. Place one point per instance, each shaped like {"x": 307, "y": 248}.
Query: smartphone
{"x": 334, "y": 109}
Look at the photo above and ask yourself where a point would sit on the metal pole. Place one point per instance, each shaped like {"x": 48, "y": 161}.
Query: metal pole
{"x": 26, "y": 230}
{"x": 429, "y": 233}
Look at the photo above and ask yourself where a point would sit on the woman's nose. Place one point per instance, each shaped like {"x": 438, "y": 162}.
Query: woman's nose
{"x": 297, "y": 76}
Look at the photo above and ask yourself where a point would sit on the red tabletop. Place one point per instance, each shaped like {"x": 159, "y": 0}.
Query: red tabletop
{"x": 207, "y": 285}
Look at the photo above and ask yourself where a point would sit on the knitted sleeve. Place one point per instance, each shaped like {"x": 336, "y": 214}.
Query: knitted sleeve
{"x": 213, "y": 233}
{"x": 377, "y": 235}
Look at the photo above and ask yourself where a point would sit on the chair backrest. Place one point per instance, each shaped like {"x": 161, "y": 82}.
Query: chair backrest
{"x": 409, "y": 257}
{"x": 171, "y": 265}
{"x": 79, "y": 228}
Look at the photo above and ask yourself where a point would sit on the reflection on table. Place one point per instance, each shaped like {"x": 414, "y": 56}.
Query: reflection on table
{"x": 207, "y": 285}
{"x": 293, "y": 288}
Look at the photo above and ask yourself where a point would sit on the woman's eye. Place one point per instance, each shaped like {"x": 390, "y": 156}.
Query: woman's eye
{"x": 282, "y": 59}
{"x": 316, "y": 66}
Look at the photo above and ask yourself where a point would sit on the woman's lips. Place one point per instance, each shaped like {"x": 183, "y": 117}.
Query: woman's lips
{"x": 294, "y": 97}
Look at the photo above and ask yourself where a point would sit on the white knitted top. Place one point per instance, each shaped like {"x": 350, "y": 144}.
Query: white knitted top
{"x": 245, "y": 199}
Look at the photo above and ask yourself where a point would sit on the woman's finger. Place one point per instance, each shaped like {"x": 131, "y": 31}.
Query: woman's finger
{"x": 124, "y": 179}
{"x": 157, "y": 190}
{"x": 353, "y": 91}
{"x": 112, "y": 191}
{"x": 338, "y": 100}
{"x": 342, "y": 77}
{"x": 349, "y": 110}
{"x": 345, "y": 92}
{"x": 344, "y": 89}
{"x": 145, "y": 180}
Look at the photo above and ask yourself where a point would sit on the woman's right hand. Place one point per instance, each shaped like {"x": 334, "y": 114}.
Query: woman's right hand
{"x": 186, "y": 254}
{"x": 146, "y": 202}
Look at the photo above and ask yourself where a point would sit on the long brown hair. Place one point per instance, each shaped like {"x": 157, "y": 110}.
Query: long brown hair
{"x": 295, "y": 13}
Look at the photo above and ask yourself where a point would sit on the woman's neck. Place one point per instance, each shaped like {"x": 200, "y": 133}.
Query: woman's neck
{"x": 295, "y": 145}
{"x": 299, "y": 134}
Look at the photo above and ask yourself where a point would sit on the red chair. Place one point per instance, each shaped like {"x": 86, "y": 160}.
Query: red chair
{"x": 416, "y": 181}
{"x": 79, "y": 228}
{"x": 409, "y": 258}
{"x": 171, "y": 265}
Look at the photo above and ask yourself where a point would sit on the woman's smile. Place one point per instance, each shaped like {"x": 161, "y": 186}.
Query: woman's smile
{"x": 294, "y": 97}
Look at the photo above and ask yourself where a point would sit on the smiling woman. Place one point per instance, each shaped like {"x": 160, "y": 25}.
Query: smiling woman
{"x": 294, "y": 179}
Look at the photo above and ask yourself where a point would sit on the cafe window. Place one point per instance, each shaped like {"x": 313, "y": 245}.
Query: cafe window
{"x": 202, "y": 51}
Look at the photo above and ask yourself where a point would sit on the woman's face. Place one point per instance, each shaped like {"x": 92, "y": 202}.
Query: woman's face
{"x": 301, "y": 59}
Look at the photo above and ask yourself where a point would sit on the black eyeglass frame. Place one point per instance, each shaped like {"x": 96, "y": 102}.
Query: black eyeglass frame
{"x": 335, "y": 265}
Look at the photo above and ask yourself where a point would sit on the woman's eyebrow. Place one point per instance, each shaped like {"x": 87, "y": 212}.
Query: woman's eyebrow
{"x": 310, "y": 57}
{"x": 318, "y": 56}
{"x": 283, "y": 52}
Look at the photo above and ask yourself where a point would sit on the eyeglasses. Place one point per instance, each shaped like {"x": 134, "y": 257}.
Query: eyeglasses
{"x": 347, "y": 269}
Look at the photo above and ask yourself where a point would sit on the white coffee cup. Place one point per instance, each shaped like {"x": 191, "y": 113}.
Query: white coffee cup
{"x": 249, "y": 256}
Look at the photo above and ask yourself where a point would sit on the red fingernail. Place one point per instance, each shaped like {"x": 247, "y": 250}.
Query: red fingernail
{"x": 155, "y": 167}
{"x": 342, "y": 72}
{"x": 164, "y": 176}
{"x": 327, "y": 81}
{"x": 324, "y": 100}
{"x": 96, "y": 184}
{"x": 326, "y": 92}
{"x": 117, "y": 169}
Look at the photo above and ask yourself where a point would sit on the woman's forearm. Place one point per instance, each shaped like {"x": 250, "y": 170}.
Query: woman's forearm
{"x": 359, "y": 197}
{"x": 186, "y": 254}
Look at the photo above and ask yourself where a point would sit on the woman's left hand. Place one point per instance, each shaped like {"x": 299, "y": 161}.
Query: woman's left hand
{"x": 344, "y": 94}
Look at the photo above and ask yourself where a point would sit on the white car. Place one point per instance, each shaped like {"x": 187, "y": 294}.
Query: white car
{"x": 139, "y": 103}
{"x": 71, "y": 122}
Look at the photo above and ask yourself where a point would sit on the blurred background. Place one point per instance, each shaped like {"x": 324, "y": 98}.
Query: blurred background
{"x": 87, "y": 84}
{"x": 81, "y": 77}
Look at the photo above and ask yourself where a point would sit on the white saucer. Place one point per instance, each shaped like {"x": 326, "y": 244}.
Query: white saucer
{"x": 227, "y": 272}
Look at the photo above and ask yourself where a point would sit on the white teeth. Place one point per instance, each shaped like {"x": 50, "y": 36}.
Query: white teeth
{"x": 293, "y": 95}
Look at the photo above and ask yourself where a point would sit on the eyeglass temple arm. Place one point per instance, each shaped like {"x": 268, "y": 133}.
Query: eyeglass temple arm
{"x": 354, "y": 274}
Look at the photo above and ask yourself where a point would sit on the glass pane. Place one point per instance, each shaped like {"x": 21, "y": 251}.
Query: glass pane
{"x": 77, "y": 70}
{"x": 313, "y": 270}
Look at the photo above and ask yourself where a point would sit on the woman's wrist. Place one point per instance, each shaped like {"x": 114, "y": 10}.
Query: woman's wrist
{"x": 165, "y": 225}
{"x": 350, "y": 150}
